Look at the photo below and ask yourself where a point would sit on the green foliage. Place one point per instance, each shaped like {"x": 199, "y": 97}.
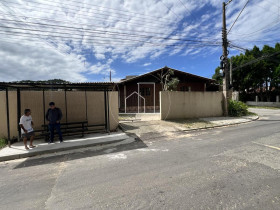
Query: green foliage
{"x": 166, "y": 80}
{"x": 50, "y": 81}
{"x": 172, "y": 84}
{"x": 237, "y": 109}
{"x": 261, "y": 77}
{"x": 2, "y": 143}
{"x": 217, "y": 76}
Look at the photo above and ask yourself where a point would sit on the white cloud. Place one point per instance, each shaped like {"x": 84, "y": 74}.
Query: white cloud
{"x": 91, "y": 36}
{"x": 147, "y": 64}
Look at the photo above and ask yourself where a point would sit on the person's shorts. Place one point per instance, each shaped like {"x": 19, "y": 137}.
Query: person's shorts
{"x": 28, "y": 135}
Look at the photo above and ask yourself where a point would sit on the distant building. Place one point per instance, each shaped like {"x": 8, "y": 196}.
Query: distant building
{"x": 134, "y": 89}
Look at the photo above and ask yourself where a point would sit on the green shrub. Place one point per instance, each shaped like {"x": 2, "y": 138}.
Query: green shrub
{"x": 2, "y": 143}
{"x": 237, "y": 109}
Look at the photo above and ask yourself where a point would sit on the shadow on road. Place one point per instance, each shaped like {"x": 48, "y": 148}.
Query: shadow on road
{"x": 126, "y": 127}
{"x": 138, "y": 144}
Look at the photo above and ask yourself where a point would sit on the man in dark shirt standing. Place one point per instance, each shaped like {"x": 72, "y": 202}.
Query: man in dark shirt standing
{"x": 53, "y": 116}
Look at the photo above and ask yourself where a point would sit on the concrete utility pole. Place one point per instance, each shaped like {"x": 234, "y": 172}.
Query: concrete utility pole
{"x": 225, "y": 61}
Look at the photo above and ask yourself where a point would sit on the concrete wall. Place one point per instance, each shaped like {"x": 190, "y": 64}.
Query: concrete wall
{"x": 33, "y": 100}
{"x": 76, "y": 108}
{"x": 13, "y": 113}
{"x": 113, "y": 110}
{"x": 269, "y": 104}
{"x": 3, "y": 110}
{"x": 180, "y": 105}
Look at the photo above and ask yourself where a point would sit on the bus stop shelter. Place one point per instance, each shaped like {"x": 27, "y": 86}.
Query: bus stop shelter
{"x": 95, "y": 103}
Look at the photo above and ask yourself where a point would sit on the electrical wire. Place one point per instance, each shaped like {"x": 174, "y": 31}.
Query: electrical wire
{"x": 238, "y": 16}
{"x": 89, "y": 15}
{"x": 71, "y": 38}
{"x": 87, "y": 25}
{"x": 101, "y": 31}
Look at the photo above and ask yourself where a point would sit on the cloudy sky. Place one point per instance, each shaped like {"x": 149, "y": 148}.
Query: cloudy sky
{"x": 83, "y": 40}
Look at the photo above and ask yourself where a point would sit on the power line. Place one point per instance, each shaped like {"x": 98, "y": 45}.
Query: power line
{"x": 104, "y": 32}
{"x": 238, "y": 16}
{"x": 77, "y": 10}
{"x": 118, "y": 10}
{"x": 88, "y": 25}
{"x": 259, "y": 30}
{"x": 105, "y": 44}
{"x": 24, "y": 34}
{"x": 187, "y": 9}
{"x": 170, "y": 9}
{"x": 46, "y": 41}
{"x": 86, "y": 16}
{"x": 89, "y": 17}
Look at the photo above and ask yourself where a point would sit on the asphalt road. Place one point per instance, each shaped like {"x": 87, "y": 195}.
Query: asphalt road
{"x": 234, "y": 167}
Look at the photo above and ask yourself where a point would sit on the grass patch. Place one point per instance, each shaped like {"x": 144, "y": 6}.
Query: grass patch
{"x": 192, "y": 123}
{"x": 263, "y": 107}
{"x": 2, "y": 143}
{"x": 251, "y": 113}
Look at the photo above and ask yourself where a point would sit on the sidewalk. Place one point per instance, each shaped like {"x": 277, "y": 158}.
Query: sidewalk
{"x": 17, "y": 149}
{"x": 224, "y": 121}
{"x": 148, "y": 130}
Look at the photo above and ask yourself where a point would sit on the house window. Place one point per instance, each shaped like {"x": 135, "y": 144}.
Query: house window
{"x": 148, "y": 91}
{"x": 142, "y": 91}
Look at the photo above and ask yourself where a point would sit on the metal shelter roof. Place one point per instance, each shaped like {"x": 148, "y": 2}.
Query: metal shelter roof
{"x": 95, "y": 86}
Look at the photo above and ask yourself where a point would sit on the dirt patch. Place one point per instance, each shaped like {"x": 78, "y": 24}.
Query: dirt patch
{"x": 148, "y": 130}
{"x": 186, "y": 124}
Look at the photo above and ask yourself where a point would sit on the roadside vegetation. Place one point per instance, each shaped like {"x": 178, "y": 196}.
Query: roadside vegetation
{"x": 2, "y": 143}
{"x": 256, "y": 73}
{"x": 237, "y": 109}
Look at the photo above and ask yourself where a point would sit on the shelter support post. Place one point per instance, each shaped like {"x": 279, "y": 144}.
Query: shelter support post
{"x": 154, "y": 97}
{"x": 138, "y": 96}
{"x": 18, "y": 112}
{"x": 105, "y": 109}
{"x": 44, "y": 108}
{"x": 65, "y": 99}
{"x": 108, "y": 113}
{"x": 8, "y": 117}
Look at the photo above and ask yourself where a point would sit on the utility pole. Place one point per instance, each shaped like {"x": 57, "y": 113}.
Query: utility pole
{"x": 225, "y": 61}
{"x": 230, "y": 72}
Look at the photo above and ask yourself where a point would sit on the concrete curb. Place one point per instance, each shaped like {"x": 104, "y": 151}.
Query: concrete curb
{"x": 219, "y": 126}
{"x": 210, "y": 127}
{"x": 36, "y": 153}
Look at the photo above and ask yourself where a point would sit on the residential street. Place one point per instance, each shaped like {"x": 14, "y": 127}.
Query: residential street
{"x": 236, "y": 167}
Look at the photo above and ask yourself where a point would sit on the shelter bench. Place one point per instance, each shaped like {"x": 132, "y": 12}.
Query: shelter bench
{"x": 69, "y": 128}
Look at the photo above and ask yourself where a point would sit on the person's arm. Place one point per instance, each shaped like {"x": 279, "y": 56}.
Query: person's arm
{"x": 47, "y": 115}
{"x": 59, "y": 114}
{"x": 21, "y": 125}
